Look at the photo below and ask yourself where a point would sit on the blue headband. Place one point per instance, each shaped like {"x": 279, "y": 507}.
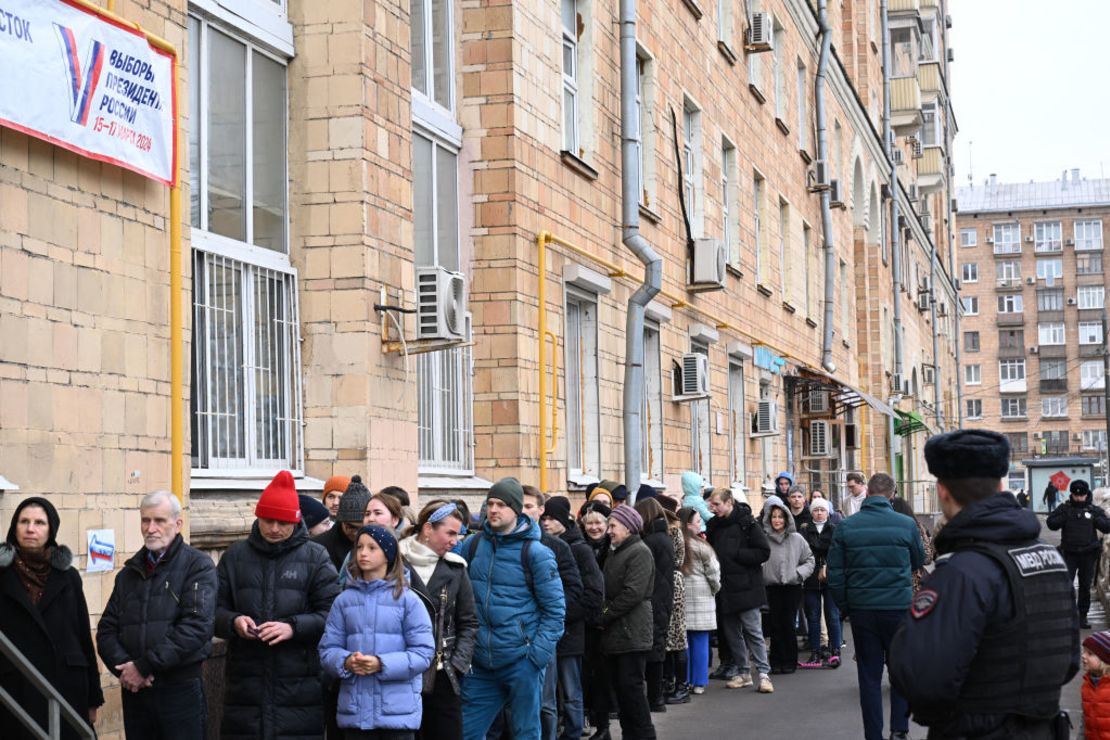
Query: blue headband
{"x": 442, "y": 513}
{"x": 384, "y": 538}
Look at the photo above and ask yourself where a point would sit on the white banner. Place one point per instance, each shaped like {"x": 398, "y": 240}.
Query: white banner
{"x": 89, "y": 85}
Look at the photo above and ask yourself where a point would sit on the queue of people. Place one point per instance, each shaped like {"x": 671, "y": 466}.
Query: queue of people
{"x": 533, "y": 622}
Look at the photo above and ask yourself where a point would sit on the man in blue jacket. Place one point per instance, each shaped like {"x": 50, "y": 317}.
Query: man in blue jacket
{"x": 520, "y": 617}
{"x": 870, "y": 564}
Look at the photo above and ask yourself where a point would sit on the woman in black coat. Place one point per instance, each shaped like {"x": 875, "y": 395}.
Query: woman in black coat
{"x": 275, "y": 591}
{"x": 658, "y": 539}
{"x": 439, "y": 577}
{"x": 43, "y": 611}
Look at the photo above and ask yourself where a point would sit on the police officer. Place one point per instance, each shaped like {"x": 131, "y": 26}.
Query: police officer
{"x": 1081, "y": 521}
{"x": 992, "y": 635}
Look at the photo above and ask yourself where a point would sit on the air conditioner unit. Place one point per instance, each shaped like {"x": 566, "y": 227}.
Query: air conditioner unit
{"x": 765, "y": 421}
{"x": 897, "y": 384}
{"x": 709, "y": 265}
{"x": 835, "y": 199}
{"x": 942, "y": 310}
{"x": 850, "y": 440}
{"x": 819, "y": 439}
{"x": 1077, "y": 437}
{"x": 913, "y": 193}
{"x": 954, "y": 205}
{"x": 818, "y": 402}
{"x": 928, "y": 374}
{"x": 1034, "y": 350}
{"x": 761, "y": 33}
{"x": 693, "y": 383}
{"x": 990, "y": 240}
{"x": 1028, "y": 238}
{"x": 923, "y": 301}
{"x": 896, "y": 155}
{"x": 1069, "y": 242}
{"x": 1030, "y": 280}
{"x": 918, "y": 149}
{"x": 926, "y": 222}
{"x": 440, "y": 304}
{"x": 821, "y": 170}
{"x": 951, "y": 56}
{"x": 947, "y": 21}
{"x": 1071, "y": 301}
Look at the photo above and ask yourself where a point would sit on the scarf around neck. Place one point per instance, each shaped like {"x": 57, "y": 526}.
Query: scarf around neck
{"x": 420, "y": 557}
{"x": 34, "y": 570}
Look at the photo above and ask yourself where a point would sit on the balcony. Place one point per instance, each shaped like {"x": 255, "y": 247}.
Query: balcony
{"x": 1013, "y": 386}
{"x": 1053, "y": 351}
{"x": 1090, "y": 350}
{"x": 930, "y": 170}
{"x": 904, "y": 6}
{"x": 1052, "y": 385}
{"x": 930, "y": 78}
{"x": 1012, "y": 318}
{"x": 1050, "y": 315}
{"x": 1016, "y": 352}
{"x": 1006, "y": 284}
{"x": 1007, "y": 247}
{"x": 905, "y": 105}
{"x": 1048, "y": 246}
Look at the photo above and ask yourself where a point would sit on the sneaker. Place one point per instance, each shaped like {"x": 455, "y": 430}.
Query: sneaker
{"x": 699, "y": 690}
{"x": 833, "y": 661}
{"x": 765, "y": 686}
{"x": 815, "y": 660}
{"x": 740, "y": 681}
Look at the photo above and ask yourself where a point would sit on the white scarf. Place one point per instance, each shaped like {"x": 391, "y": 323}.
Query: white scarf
{"x": 420, "y": 557}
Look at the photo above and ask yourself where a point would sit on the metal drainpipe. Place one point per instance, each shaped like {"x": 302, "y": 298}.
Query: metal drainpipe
{"x": 895, "y": 236}
{"x": 653, "y": 263}
{"x": 948, "y": 211}
{"x": 936, "y": 338}
{"x": 826, "y": 206}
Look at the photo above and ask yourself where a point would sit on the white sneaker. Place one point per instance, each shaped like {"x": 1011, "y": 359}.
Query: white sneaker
{"x": 765, "y": 686}
{"x": 699, "y": 690}
{"x": 742, "y": 681}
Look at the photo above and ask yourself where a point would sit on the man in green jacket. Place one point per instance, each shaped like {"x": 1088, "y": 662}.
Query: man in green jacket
{"x": 870, "y": 564}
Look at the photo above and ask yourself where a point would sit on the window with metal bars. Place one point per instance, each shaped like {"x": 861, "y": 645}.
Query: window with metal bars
{"x": 737, "y": 426}
{"x": 701, "y": 447}
{"x": 444, "y": 424}
{"x": 246, "y": 392}
{"x": 651, "y": 459}
{"x": 583, "y": 411}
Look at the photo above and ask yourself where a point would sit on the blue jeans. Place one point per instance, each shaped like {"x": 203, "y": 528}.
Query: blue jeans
{"x": 813, "y": 601}
{"x": 570, "y": 678}
{"x": 697, "y": 662}
{"x": 485, "y": 691}
{"x": 873, "y": 630}
{"x": 549, "y": 710}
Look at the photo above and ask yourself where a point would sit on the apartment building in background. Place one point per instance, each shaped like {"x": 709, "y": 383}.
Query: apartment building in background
{"x": 368, "y": 183}
{"x": 1033, "y": 288}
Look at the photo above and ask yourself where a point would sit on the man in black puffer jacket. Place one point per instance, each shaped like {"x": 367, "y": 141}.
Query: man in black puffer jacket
{"x": 1081, "y": 521}
{"x": 741, "y": 548}
{"x": 157, "y": 628}
{"x": 275, "y": 590}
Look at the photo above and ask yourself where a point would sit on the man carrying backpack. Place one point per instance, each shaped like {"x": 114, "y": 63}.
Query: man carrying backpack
{"x": 520, "y": 616}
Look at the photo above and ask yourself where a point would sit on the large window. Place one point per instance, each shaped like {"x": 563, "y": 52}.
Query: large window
{"x": 245, "y": 400}
{"x": 1010, "y": 371}
{"x": 571, "y": 122}
{"x": 701, "y": 440}
{"x": 1090, "y": 332}
{"x": 1054, "y": 443}
{"x": 970, "y": 272}
{"x": 973, "y": 375}
{"x": 651, "y": 460}
{"x": 802, "y": 95}
{"x": 903, "y": 51}
{"x": 583, "y": 412}
{"x": 786, "y": 260}
{"x": 1054, "y": 370}
{"x": 431, "y": 34}
{"x": 444, "y": 404}
{"x": 645, "y": 102}
{"x": 730, "y": 202}
{"x": 761, "y": 257}
{"x": 971, "y": 341}
{"x": 1050, "y": 299}
{"x": 1091, "y": 375}
{"x": 1008, "y": 272}
{"x": 1050, "y": 333}
{"x": 1088, "y": 234}
{"x": 973, "y": 408}
{"x": 1007, "y": 238}
{"x": 968, "y": 238}
{"x": 1091, "y": 296}
{"x": 1088, "y": 264}
{"x": 1014, "y": 407}
{"x": 1012, "y": 339}
{"x": 1053, "y": 406}
{"x": 1048, "y": 236}
{"x": 692, "y": 179}
{"x": 971, "y": 305}
{"x": 1094, "y": 439}
{"x": 1093, "y": 405}
{"x": 1019, "y": 442}
{"x": 1050, "y": 270}
{"x": 1010, "y": 303}
{"x": 737, "y": 426}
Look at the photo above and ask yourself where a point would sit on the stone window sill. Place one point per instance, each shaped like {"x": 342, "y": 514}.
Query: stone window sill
{"x": 578, "y": 164}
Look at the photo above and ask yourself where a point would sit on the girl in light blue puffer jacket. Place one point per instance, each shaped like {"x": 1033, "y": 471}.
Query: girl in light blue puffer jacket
{"x": 692, "y": 484}
{"x": 378, "y": 640}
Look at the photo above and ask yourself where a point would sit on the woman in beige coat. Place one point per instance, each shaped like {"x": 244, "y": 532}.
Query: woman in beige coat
{"x": 702, "y": 574}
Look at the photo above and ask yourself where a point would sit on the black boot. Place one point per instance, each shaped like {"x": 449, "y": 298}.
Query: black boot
{"x": 724, "y": 672}
{"x": 602, "y": 734}
{"x": 680, "y": 695}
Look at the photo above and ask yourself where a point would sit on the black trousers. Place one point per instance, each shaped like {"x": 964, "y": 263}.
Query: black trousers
{"x": 173, "y": 710}
{"x": 625, "y": 672}
{"x": 442, "y": 716}
{"x": 377, "y": 735}
{"x": 674, "y": 668}
{"x": 1084, "y": 565}
{"x": 782, "y": 601}
{"x": 653, "y": 678}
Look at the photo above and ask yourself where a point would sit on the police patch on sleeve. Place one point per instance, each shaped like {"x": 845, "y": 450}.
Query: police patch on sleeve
{"x": 1036, "y": 560}
{"x": 923, "y": 603}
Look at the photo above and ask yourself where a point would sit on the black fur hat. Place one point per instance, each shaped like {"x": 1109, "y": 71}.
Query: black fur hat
{"x": 968, "y": 453}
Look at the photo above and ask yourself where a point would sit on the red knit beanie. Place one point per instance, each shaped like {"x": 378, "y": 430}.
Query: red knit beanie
{"x": 279, "y": 500}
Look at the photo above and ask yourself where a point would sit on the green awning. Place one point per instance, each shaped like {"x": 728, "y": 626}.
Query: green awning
{"x": 908, "y": 422}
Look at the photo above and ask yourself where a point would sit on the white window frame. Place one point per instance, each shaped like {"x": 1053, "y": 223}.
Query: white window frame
{"x": 971, "y": 305}
{"x": 256, "y": 268}
{"x": 1094, "y": 439}
{"x": 973, "y": 374}
{"x": 1050, "y": 269}
{"x": 846, "y": 294}
{"x": 785, "y": 260}
{"x": 1054, "y": 406}
{"x": 571, "y": 139}
{"x": 1083, "y": 263}
{"x": 1011, "y": 371}
{"x": 1090, "y": 332}
{"x": 969, "y": 238}
{"x": 809, "y": 263}
{"x": 730, "y": 201}
{"x": 1051, "y": 333}
{"x": 759, "y": 196}
{"x": 420, "y": 98}
{"x": 1050, "y": 299}
{"x": 1048, "y": 237}
{"x": 931, "y": 132}
{"x": 701, "y": 432}
{"x": 778, "y": 74}
{"x": 693, "y": 181}
{"x": 738, "y": 423}
{"x": 652, "y": 422}
{"x": 1011, "y": 303}
{"x": 1091, "y": 375}
{"x": 1088, "y": 234}
{"x": 582, "y": 412}
{"x": 802, "y": 93}
{"x": 1009, "y": 405}
{"x": 1090, "y": 296}
{"x": 1008, "y": 270}
{"x": 263, "y": 20}
{"x": 645, "y": 102}
{"x": 973, "y": 408}
{"x": 969, "y": 272}
{"x": 1007, "y": 238}
{"x": 726, "y": 24}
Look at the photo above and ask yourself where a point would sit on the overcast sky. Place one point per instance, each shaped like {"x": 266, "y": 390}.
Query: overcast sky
{"x": 1029, "y": 86}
